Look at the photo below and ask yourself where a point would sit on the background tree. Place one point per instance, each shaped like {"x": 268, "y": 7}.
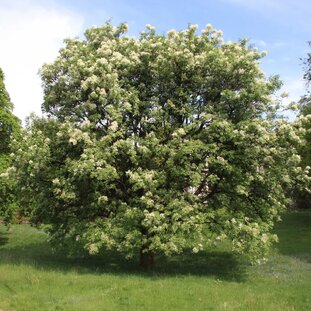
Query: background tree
{"x": 156, "y": 144}
{"x": 302, "y": 194}
{"x": 9, "y": 125}
{"x": 305, "y": 102}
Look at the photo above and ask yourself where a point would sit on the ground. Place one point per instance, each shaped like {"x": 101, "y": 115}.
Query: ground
{"x": 33, "y": 278}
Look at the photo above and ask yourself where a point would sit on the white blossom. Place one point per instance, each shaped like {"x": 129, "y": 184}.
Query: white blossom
{"x": 195, "y": 250}
{"x": 113, "y": 126}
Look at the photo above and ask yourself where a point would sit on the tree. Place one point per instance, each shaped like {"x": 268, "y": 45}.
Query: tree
{"x": 305, "y": 102}
{"x": 302, "y": 193}
{"x": 9, "y": 125}
{"x": 155, "y": 144}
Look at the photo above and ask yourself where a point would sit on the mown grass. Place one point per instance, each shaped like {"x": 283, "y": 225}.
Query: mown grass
{"x": 33, "y": 278}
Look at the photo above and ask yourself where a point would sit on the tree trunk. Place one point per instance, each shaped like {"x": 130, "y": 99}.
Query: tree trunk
{"x": 146, "y": 259}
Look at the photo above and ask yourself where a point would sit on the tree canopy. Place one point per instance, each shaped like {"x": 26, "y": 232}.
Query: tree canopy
{"x": 8, "y": 122}
{"x": 305, "y": 110}
{"x": 303, "y": 195}
{"x": 305, "y": 102}
{"x": 9, "y": 125}
{"x": 157, "y": 143}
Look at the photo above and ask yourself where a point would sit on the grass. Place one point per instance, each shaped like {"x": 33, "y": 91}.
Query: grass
{"x": 33, "y": 278}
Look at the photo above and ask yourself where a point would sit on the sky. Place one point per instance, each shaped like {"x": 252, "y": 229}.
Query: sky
{"x": 32, "y": 32}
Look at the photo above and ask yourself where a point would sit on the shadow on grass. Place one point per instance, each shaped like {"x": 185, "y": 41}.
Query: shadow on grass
{"x": 217, "y": 264}
{"x": 3, "y": 238}
{"x": 294, "y": 234}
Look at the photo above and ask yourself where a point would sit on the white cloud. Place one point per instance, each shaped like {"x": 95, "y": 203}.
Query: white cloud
{"x": 31, "y": 34}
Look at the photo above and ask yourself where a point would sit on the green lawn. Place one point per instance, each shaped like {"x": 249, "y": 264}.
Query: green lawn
{"x": 33, "y": 278}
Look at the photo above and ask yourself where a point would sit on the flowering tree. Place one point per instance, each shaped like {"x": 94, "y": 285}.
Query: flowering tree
{"x": 155, "y": 144}
{"x": 9, "y": 124}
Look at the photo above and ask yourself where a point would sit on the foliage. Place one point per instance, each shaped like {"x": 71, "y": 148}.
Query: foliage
{"x": 152, "y": 140}
{"x": 305, "y": 110}
{"x": 303, "y": 195}
{"x": 305, "y": 102}
{"x": 9, "y": 125}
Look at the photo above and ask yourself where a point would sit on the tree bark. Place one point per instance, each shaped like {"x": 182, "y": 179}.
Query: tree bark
{"x": 146, "y": 259}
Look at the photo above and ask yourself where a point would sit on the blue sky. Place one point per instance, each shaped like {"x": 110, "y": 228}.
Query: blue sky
{"x": 32, "y": 32}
